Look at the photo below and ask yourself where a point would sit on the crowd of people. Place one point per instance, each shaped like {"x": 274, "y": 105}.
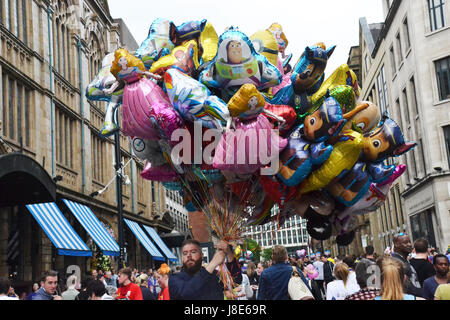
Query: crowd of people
{"x": 405, "y": 272}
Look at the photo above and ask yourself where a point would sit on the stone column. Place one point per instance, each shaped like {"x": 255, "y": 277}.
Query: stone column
{"x": 4, "y": 231}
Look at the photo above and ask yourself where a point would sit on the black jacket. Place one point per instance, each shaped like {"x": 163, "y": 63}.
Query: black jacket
{"x": 328, "y": 271}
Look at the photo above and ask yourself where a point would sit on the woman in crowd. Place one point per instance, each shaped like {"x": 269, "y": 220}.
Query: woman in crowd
{"x": 163, "y": 282}
{"x": 342, "y": 287}
{"x": 253, "y": 278}
{"x": 392, "y": 280}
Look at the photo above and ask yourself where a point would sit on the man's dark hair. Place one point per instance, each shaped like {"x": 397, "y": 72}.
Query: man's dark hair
{"x": 190, "y": 241}
{"x": 363, "y": 272}
{"x": 47, "y": 274}
{"x": 126, "y": 271}
{"x": 438, "y": 256}
{"x": 369, "y": 250}
{"x": 421, "y": 245}
{"x": 84, "y": 283}
{"x": 96, "y": 287}
{"x": 350, "y": 261}
{"x": 5, "y": 284}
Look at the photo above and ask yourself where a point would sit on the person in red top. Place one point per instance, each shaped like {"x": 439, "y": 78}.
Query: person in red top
{"x": 128, "y": 290}
{"x": 163, "y": 281}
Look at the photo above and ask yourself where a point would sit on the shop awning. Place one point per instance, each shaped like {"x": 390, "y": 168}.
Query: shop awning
{"x": 58, "y": 229}
{"x": 144, "y": 240}
{"x": 160, "y": 243}
{"x": 95, "y": 229}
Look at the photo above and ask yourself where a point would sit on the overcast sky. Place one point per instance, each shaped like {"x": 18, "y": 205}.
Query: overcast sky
{"x": 334, "y": 22}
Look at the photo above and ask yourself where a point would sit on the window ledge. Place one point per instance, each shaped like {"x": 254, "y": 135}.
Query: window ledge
{"x": 408, "y": 52}
{"x": 394, "y": 77}
{"x": 436, "y": 104}
{"x": 401, "y": 65}
{"x": 432, "y": 33}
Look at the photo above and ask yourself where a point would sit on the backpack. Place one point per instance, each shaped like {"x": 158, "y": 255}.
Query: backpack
{"x": 297, "y": 289}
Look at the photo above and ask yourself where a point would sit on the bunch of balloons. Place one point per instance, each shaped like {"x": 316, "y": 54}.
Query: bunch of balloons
{"x": 286, "y": 136}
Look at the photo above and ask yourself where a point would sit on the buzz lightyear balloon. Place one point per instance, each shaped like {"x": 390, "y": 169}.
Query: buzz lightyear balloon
{"x": 238, "y": 63}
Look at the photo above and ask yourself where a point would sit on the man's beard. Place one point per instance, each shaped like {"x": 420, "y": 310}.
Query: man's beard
{"x": 193, "y": 269}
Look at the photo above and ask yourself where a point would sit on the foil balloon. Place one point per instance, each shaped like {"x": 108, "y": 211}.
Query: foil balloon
{"x": 301, "y": 253}
{"x": 190, "y": 30}
{"x": 163, "y": 173}
{"x": 280, "y": 37}
{"x": 149, "y": 150}
{"x": 306, "y": 145}
{"x": 319, "y": 230}
{"x": 140, "y": 95}
{"x": 237, "y": 252}
{"x": 172, "y": 186}
{"x": 95, "y": 92}
{"x": 158, "y": 43}
{"x": 307, "y": 77}
{"x": 249, "y": 255}
{"x": 364, "y": 118}
{"x": 209, "y": 41}
{"x": 266, "y": 44}
{"x": 340, "y": 77}
{"x": 344, "y": 156}
{"x": 184, "y": 58}
{"x": 312, "y": 272}
{"x": 345, "y": 95}
{"x": 285, "y": 112}
{"x": 194, "y": 101}
{"x": 237, "y": 63}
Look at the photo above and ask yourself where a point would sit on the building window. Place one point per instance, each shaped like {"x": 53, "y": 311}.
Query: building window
{"x": 14, "y": 17}
{"x": 394, "y": 65}
{"x": 64, "y": 129}
{"x": 422, "y": 227}
{"x": 406, "y": 33}
{"x": 406, "y": 107}
{"x": 412, "y": 84}
{"x": 16, "y": 110}
{"x": 98, "y": 158}
{"x": 447, "y": 142}
{"x": 443, "y": 78}
{"x": 367, "y": 62}
{"x": 436, "y": 9}
{"x": 383, "y": 91}
{"x": 399, "y": 47}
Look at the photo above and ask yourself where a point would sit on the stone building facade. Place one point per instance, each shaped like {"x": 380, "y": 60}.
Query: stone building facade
{"x": 49, "y": 51}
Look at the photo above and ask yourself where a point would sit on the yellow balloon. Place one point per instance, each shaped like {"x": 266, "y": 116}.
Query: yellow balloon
{"x": 185, "y": 57}
{"x": 237, "y": 252}
{"x": 266, "y": 44}
{"x": 209, "y": 41}
{"x": 338, "y": 78}
{"x": 344, "y": 156}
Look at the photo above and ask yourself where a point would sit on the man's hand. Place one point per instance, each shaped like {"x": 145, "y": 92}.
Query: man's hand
{"x": 225, "y": 247}
{"x": 216, "y": 261}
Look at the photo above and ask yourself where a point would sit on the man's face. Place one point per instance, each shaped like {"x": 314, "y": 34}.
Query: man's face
{"x": 403, "y": 245}
{"x": 122, "y": 278}
{"x": 192, "y": 258}
{"x": 108, "y": 275}
{"x": 50, "y": 285}
{"x": 94, "y": 274}
{"x": 324, "y": 259}
{"x": 442, "y": 267}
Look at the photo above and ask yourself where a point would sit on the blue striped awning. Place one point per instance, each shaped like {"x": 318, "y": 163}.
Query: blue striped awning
{"x": 95, "y": 229}
{"x": 160, "y": 243}
{"x": 145, "y": 241}
{"x": 58, "y": 229}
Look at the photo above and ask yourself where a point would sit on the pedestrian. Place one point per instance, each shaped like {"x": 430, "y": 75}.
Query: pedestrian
{"x": 12, "y": 293}
{"x": 370, "y": 254}
{"x": 420, "y": 262}
{"x": 94, "y": 274}
{"x": 401, "y": 251}
{"x": 127, "y": 290}
{"x": 274, "y": 281}
{"x": 253, "y": 279}
{"x": 342, "y": 286}
{"x": 442, "y": 292}
{"x": 5, "y": 286}
{"x": 83, "y": 295}
{"x": 364, "y": 272}
{"x": 328, "y": 268}
{"x": 33, "y": 291}
{"x": 163, "y": 282}
{"x": 430, "y": 285}
{"x": 153, "y": 283}
{"x": 351, "y": 263}
{"x": 195, "y": 282}
{"x": 142, "y": 282}
{"x": 318, "y": 264}
{"x": 393, "y": 280}
{"x": 110, "y": 279}
{"x": 71, "y": 293}
{"x": 49, "y": 283}
{"x": 96, "y": 290}
{"x": 261, "y": 267}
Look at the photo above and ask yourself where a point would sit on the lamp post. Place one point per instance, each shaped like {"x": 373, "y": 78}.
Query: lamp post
{"x": 119, "y": 181}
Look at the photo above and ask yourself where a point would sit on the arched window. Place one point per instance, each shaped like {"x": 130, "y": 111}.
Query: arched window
{"x": 61, "y": 38}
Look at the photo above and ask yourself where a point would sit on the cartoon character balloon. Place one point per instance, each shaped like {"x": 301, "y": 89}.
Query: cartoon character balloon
{"x": 158, "y": 43}
{"x": 238, "y": 63}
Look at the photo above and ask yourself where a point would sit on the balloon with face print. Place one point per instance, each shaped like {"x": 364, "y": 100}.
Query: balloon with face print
{"x": 238, "y": 63}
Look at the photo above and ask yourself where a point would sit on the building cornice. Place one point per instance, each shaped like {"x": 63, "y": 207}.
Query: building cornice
{"x": 425, "y": 181}
{"x": 387, "y": 25}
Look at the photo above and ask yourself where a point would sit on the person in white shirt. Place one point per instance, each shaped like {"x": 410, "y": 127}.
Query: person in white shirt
{"x": 5, "y": 285}
{"x": 318, "y": 264}
{"x": 343, "y": 286}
